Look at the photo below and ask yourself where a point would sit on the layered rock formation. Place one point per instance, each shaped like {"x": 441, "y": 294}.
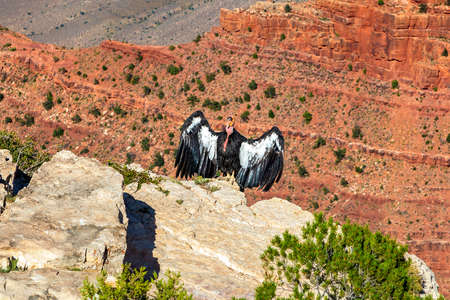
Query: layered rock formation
{"x": 70, "y": 223}
{"x": 390, "y": 41}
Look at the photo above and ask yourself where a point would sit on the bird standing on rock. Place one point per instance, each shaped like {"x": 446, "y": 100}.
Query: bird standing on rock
{"x": 254, "y": 162}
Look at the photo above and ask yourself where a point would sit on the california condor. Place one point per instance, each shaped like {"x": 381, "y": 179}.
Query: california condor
{"x": 254, "y": 162}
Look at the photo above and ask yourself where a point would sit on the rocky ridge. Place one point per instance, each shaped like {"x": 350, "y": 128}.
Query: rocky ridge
{"x": 74, "y": 220}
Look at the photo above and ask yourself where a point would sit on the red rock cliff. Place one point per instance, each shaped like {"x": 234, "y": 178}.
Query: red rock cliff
{"x": 390, "y": 41}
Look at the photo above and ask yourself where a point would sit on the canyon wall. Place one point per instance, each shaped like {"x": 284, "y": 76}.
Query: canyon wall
{"x": 390, "y": 41}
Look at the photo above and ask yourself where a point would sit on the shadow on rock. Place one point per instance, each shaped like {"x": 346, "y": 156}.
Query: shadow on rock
{"x": 21, "y": 180}
{"x": 141, "y": 232}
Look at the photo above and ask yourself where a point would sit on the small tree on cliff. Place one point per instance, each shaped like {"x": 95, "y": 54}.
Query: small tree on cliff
{"x": 350, "y": 263}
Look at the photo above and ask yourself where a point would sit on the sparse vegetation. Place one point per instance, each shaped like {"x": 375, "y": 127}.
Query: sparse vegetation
{"x": 173, "y": 70}
{"x": 344, "y": 182}
{"x": 245, "y": 115}
{"x": 423, "y": 8}
{"x": 48, "y": 103}
{"x": 24, "y": 153}
{"x": 226, "y": 69}
{"x": 145, "y": 144}
{"x": 271, "y": 114}
{"x": 213, "y": 105}
{"x": 394, "y": 84}
{"x": 252, "y": 85}
{"x": 356, "y": 132}
{"x": 326, "y": 256}
{"x": 319, "y": 142}
{"x": 445, "y": 52}
{"x": 340, "y": 154}
{"x": 210, "y": 77}
{"x": 192, "y": 100}
{"x": 307, "y": 116}
{"x": 380, "y": 2}
{"x": 287, "y": 8}
{"x": 270, "y": 92}
{"x": 132, "y": 284}
{"x": 282, "y": 37}
{"x": 58, "y": 132}
{"x": 76, "y": 118}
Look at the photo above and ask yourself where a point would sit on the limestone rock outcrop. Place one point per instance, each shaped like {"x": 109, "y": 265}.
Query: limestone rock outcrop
{"x": 70, "y": 217}
{"x": 208, "y": 234}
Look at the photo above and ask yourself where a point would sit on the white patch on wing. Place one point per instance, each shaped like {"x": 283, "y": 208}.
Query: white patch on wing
{"x": 195, "y": 122}
{"x": 208, "y": 142}
{"x": 252, "y": 154}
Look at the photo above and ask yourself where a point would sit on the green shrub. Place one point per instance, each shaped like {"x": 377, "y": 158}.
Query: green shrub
{"x": 423, "y": 7}
{"x": 380, "y": 2}
{"x": 226, "y": 69}
{"x": 448, "y": 138}
{"x": 96, "y": 81}
{"x": 76, "y": 118}
{"x": 344, "y": 182}
{"x": 173, "y": 70}
{"x": 118, "y": 110}
{"x": 145, "y": 144}
{"x": 245, "y": 115}
{"x": 186, "y": 87}
{"x": 200, "y": 85}
{"x": 287, "y": 8}
{"x": 347, "y": 263}
{"x": 350, "y": 67}
{"x": 252, "y": 85}
{"x": 8, "y": 120}
{"x": 282, "y": 37}
{"x": 210, "y": 77}
{"x": 340, "y": 154}
{"x": 302, "y": 99}
{"x": 255, "y": 55}
{"x": 394, "y": 84}
{"x": 356, "y": 132}
{"x": 360, "y": 169}
{"x": 213, "y": 105}
{"x": 147, "y": 90}
{"x": 58, "y": 132}
{"x": 131, "y": 67}
{"x": 95, "y": 112}
{"x": 258, "y": 106}
{"x": 128, "y": 77}
{"x": 158, "y": 160}
{"x": 2, "y": 96}
{"x": 192, "y": 100}
{"x": 48, "y": 103}
{"x": 198, "y": 38}
{"x": 444, "y": 53}
{"x": 171, "y": 47}
{"x": 161, "y": 94}
{"x": 246, "y": 97}
{"x": 12, "y": 266}
{"x": 29, "y": 157}
{"x": 154, "y": 78}
{"x": 132, "y": 176}
{"x": 131, "y": 284}
{"x": 271, "y": 114}
{"x": 135, "y": 79}
{"x": 319, "y": 142}
{"x": 270, "y": 92}
{"x": 307, "y": 116}
{"x": 104, "y": 68}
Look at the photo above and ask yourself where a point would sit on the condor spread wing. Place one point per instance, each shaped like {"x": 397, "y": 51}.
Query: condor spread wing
{"x": 197, "y": 152}
{"x": 261, "y": 160}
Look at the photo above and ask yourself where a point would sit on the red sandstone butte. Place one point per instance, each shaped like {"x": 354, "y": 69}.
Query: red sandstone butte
{"x": 390, "y": 41}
